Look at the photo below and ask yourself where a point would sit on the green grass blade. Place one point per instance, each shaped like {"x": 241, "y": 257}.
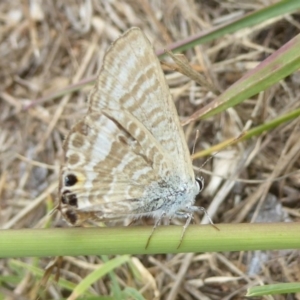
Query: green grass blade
{"x": 257, "y": 17}
{"x": 258, "y": 130}
{"x": 132, "y": 240}
{"x": 131, "y": 293}
{"x": 274, "y": 289}
{"x": 97, "y": 274}
{"x": 115, "y": 287}
{"x": 280, "y": 64}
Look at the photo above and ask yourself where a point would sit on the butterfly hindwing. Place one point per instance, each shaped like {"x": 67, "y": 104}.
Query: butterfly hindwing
{"x": 125, "y": 159}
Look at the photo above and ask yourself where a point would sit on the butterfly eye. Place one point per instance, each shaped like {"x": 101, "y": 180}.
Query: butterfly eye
{"x": 70, "y": 180}
{"x": 200, "y": 183}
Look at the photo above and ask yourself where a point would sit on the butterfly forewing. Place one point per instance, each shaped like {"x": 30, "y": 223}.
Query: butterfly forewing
{"x": 128, "y": 155}
{"x": 131, "y": 79}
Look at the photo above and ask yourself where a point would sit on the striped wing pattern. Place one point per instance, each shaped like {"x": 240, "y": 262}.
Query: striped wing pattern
{"x": 128, "y": 155}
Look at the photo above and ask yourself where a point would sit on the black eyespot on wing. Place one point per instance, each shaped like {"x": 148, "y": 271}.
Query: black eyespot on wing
{"x": 72, "y": 200}
{"x": 70, "y": 180}
{"x": 200, "y": 182}
{"x": 69, "y": 198}
{"x": 71, "y": 216}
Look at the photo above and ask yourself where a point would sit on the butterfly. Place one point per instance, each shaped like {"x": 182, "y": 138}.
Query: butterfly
{"x": 127, "y": 157}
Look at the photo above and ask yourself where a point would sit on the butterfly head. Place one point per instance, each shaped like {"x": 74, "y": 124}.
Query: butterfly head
{"x": 199, "y": 184}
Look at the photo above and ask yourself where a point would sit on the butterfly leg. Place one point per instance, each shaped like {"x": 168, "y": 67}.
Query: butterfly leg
{"x": 189, "y": 217}
{"x": 203, "y": 210}
{"x": 154, "y": 227}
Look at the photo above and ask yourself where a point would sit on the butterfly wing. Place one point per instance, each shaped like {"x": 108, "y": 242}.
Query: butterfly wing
{"x": 114, "y": 166}
{"x": 131, "y": 79}
{"x": 130, "y": 138}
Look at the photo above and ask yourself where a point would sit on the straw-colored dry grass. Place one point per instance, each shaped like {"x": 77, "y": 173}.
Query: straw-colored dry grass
{"x": 49, "y": 46}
